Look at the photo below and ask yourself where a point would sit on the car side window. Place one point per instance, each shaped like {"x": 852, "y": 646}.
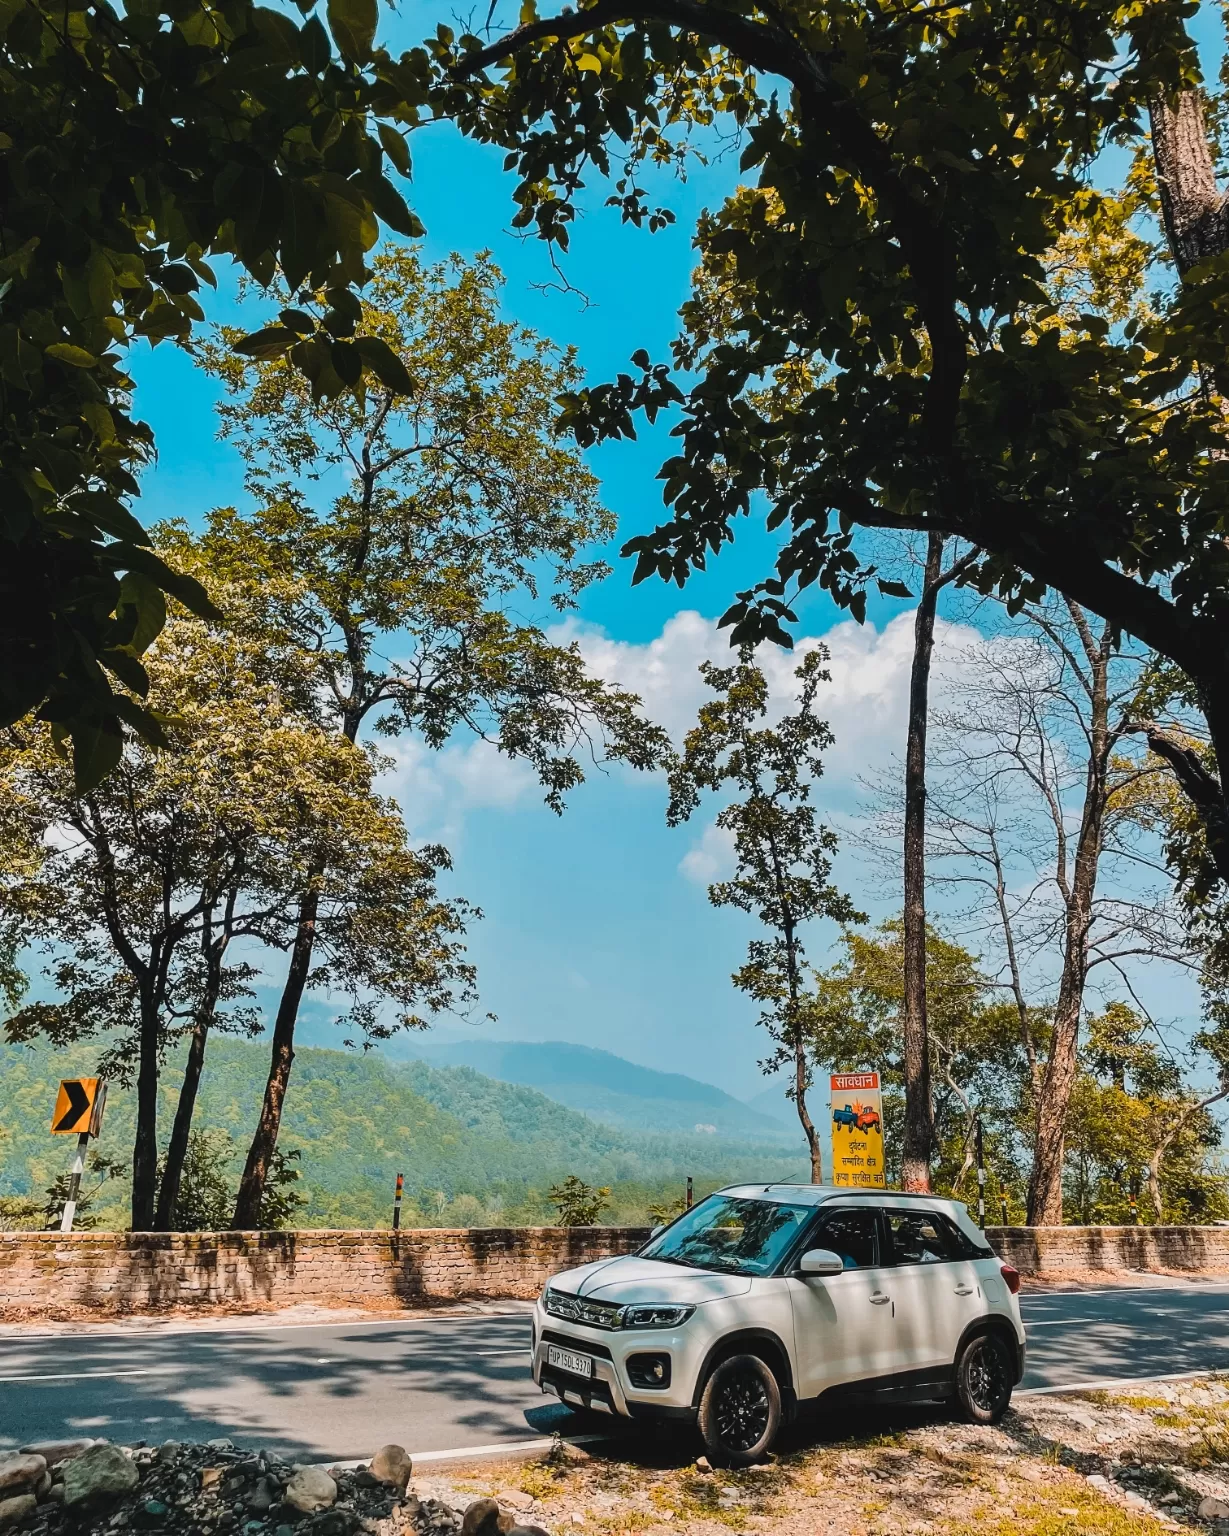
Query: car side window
{"x": 918, "y": 1237}
{"x": 854, "y": 1234}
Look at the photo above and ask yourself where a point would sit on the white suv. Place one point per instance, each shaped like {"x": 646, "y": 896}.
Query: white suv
{"x": 765, "y": 1296}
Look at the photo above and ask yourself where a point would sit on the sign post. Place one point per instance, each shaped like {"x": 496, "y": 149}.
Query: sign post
{"x": 857, "y": 1130}
{"x": 981, "y": 1179}
{"x": 690, "y": 1193}
{"x": 397, "y": 1203}
{"x": 78, "y": 1111}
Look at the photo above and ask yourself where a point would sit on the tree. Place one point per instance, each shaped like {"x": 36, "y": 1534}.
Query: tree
{"x": 1034, "y": 794}
{"x": 578, "y": 1203}
{"x": 136, "y": 889}
{"x": 133, "y": 148}
{"x": 943, "y": 400}
{"x": 783, "y": 852}
{"x": 456, "y": 507}
{"x": 856, "y": 1021}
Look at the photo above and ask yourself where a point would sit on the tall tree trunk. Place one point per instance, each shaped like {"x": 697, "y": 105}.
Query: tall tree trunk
{"x": 1045, "y": 1187}
{"x": 177, "y": 1147}
{"x": 260, "y": 1153}
{"x": 1191, "y": 203}
{"x": 919, "y": 1109}
{"x": 145, "y": 1145}
{"x": 804, "y": 1115}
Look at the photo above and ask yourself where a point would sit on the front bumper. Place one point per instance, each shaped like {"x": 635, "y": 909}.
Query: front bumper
{"x": 610, "y": 1389}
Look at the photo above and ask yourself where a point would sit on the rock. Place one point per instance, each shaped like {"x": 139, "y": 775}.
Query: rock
{"x": 1101, "y": 1484}
{"x": 169, "y": 1452}
{"x": 1171, "y": 1498}
{"x": 211, "y": 1477}
{"x": 1136, "y": 1501}
{"x": 485, "y": 1518}
{"x": 527, "y": 1530}
{"x": 392, "y": 1465}
{"x": 310, "y": 1490}
{"x": 55, "y": 1494}
{"x": 264, "y": 1496}
{"x": 56, "y": 1452}
{"x": 20, "y": 1471}
{"x": 150, "y": 1515}
{"x": 333, "y": 1522}
{"x": 1213, "y": 1509}
{"x": 103, "y": 1472}
{"x": 514, "y": 1498}
{"x": 703, "y": 1464}
{"x": 14, "y": 1510}
{"x": 220, "y": 1444}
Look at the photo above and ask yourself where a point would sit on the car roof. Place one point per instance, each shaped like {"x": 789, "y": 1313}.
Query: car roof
{"x": 817, "y": 1194}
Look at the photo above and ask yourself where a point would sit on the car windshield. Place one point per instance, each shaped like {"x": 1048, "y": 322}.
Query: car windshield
{"x": 737, "y": 1236}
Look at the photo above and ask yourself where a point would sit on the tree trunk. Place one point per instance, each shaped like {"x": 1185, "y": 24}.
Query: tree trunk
{"x": 145, "y": 1145}
{"x": 1045, "y": 1188}
{"x": 800, "y": 1100}
{"x": 172, "y": 1170}
{"x": 1191, "y": 203}
{"x": 919, "y": 1111}
{"x": 260, "y": 1153}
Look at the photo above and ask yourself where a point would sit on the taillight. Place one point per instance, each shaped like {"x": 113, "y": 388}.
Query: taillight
{"x": 1012, "y": 1277}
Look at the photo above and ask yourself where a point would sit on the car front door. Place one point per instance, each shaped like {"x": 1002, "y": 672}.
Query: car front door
{"x": 843, "y": 1324}
{"x": 934, "y": 1289}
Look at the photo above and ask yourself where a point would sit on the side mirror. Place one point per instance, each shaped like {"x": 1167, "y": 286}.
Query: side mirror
{"x": 655, "y": 1231}
{"x": 821, "y": 1261}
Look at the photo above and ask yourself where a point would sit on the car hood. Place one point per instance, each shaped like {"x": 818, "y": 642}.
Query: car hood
{"x": 631, "y": 1279}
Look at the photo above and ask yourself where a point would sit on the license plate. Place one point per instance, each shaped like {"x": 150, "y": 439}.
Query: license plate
{"x": 568, "y": 1360}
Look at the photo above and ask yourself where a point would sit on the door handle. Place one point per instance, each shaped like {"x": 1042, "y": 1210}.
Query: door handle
{"x": 879, "y": 1298}
{"x": 964, "y": 1290}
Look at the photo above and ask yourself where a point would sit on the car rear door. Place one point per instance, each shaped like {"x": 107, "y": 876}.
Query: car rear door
{"x": 843, "y": 1325}
{"x": 934, "y": 1287}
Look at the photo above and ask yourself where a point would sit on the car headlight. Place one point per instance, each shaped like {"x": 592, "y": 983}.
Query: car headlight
{"x": 655, "y": 1316}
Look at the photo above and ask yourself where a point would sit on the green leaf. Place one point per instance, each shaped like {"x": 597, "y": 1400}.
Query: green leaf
{"x": 272, "y": 342}
{"x": 143, "y": 602}
{"x": 109, "y": 514}
{"x": 589, "y": 62}
{"x": 395, "y": 147}
{"x": 298, "y": 321}
{"x": 65, "y": 352}
{"x": 353, "y": 25}
{"x": 893, "y": 588}
{"x": 314, "y": 44}
{"x": 385, "y": 364}
{"x": 392, "y": 208}
{"x": 128, "y": 669}
{"x": 96, "y": 751}
{"x": 186, "y": 588}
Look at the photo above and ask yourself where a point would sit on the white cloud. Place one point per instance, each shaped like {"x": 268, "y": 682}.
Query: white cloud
{"x": 711, "y": 858}
{"x": 865, "y": 703}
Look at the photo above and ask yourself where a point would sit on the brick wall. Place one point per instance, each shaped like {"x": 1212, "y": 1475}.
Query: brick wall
{"x": 142, "y": 1271}
{"x": 116, "y": 1272}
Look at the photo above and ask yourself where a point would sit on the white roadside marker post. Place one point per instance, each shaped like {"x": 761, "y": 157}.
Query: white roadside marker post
{"x": 74, "y": 1183}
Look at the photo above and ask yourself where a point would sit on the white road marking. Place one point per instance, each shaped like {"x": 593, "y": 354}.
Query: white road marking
{"x": 1062, "y": 1322}
{"x": 502, "y": 1354}
{"x": 1116, "y": 1381}
{"x": 501, "y": 1448}
{"x": 207, "y": 1329}
{"x": 152, "y": 1370}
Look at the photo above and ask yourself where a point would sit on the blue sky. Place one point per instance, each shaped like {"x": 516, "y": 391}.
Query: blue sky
{"x": 597, "y": 925}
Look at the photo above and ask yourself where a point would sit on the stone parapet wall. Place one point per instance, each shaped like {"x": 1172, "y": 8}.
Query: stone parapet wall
{"x": 116, "y": 1272}
{"x": 120, "y": 1272}
{"x": 1055, "y": 1250}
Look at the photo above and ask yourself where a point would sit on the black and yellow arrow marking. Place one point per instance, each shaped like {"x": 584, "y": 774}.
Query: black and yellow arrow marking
{"x": 74, "y": 1106}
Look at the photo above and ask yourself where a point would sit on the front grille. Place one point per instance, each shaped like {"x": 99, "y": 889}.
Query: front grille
{"x": 582, "y": 1346}
{"x": 579, "y": 1309}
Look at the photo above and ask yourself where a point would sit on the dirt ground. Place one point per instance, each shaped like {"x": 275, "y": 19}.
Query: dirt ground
{"x": 1118, "y": 1464}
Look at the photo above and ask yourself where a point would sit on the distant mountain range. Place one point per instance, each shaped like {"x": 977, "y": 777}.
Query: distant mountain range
{"x": 609, "y": 1089}
{"x": 474, "y": 1150}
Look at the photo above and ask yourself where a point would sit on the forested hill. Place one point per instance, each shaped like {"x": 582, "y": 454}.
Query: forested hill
{"x": 606, "y": 1087}
{"x": 472, "y": 1150}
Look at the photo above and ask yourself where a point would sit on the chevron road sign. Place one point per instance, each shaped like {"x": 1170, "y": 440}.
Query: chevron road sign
{"x": 78, "y": 1112}
{"x": 75, "y": 1107}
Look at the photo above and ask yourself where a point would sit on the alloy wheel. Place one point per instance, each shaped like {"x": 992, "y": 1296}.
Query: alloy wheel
{"x": 743, "y": 1411}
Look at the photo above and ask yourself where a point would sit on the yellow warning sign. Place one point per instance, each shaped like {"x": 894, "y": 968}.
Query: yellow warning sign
{"x": 857, "y": 1130}
{"x": 78, "y": 1106}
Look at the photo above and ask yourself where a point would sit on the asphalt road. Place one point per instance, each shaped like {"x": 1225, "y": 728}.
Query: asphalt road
{"x": 338, "y": 1391}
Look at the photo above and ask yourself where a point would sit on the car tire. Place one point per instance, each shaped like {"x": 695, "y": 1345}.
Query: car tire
{"x": 985, "y": 1375}
{"x": 740, "y": 1411}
